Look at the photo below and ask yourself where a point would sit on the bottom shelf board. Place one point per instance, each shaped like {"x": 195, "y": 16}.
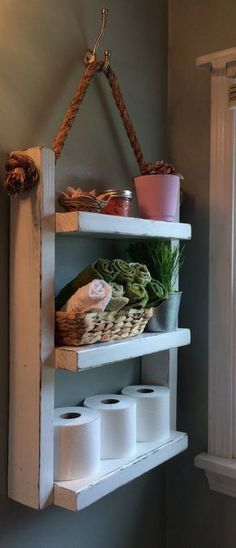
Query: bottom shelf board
{"x": 113, "y": 473}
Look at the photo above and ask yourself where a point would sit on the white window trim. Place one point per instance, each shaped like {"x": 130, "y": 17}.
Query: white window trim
{"x": 219, "y": 462}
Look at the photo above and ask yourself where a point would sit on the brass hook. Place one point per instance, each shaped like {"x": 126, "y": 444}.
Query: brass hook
{"x": 90, "y": 55}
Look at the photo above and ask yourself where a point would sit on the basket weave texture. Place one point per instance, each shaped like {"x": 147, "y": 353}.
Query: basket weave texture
{"x": 75, "y": 329}
{"x": 81, "y": 203}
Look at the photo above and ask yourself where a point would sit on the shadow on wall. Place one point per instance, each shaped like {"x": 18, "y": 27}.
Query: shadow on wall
{"x": 42, "y": 46}
{"x": 120, "y": 520}
{"x": 31, "y": 90}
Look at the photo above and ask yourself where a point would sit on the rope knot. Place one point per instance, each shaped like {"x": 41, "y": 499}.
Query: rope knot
{"x": 21, "y": 173}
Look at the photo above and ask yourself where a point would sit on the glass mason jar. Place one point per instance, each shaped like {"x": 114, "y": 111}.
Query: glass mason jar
{"x": 119, "y": 202}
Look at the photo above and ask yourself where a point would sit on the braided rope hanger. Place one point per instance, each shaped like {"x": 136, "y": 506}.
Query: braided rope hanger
{"x": 21, "y": 171}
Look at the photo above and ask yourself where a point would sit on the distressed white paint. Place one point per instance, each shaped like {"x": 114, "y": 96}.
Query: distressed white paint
{"x": 222, "y": 313}
{"x": 161, "y": 368}
{"x": 32, "y": 339}
{"x": 32, "y": 349}
{"x": 83, "y": 357}
{"x": 111, "y": 225}
{"x": 113, "y": 473}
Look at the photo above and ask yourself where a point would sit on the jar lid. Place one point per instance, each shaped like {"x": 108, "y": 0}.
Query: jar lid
{"x": 119, "y": 193}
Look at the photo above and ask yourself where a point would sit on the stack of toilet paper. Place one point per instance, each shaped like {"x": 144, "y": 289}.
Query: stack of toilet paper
{"x": 108, "y": 427}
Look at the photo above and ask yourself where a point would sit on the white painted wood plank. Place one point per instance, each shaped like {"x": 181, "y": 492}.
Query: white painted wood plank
{"x": 221, "y": 268}
{"x": 32, "y": 339}
{"x": 220, "y": 472}
{"x": 111, "y": 225}
{"x": 161, "y": 368}
{"x": 94, "y": 355}
{"x": 113, "y": 473}
{"x": 217, "y": 60}
{"x": 218, "y": 465}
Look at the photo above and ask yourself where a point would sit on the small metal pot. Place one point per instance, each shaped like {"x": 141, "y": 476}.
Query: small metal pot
{"x": 165, "y": 315}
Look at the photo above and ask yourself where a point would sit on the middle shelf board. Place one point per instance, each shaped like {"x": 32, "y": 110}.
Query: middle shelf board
{"x": 76, "y": 358}
{"x": 113, "y": 473}
{"x": 110, "y": 226}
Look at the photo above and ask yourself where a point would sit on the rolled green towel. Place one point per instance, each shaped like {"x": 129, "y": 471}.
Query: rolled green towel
{"x": 106, "y": 269}
{"x": 117, "y": 289}
{"x": 141, "y": 273}
{"x": 117, "y": 303}
{"x": 156, "y": 292}
{"x": 124, "y": 272}
{"x": 136, "y": 294}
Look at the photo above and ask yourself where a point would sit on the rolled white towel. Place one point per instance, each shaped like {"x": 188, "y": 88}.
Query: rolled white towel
{"x": 93, "y": 296}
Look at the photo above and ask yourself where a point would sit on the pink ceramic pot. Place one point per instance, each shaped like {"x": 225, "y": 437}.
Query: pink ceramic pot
{"x": 157, "y": 196}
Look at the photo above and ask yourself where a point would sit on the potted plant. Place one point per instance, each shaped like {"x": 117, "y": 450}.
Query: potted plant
{"x": 164, "y": 263}
{"x": 158, "y": 190}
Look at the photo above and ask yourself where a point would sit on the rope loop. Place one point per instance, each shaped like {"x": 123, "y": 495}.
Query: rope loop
{"x": 21, "y": 173}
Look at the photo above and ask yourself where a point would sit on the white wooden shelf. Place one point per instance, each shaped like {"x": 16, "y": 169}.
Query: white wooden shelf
{"x": 32, "y": 367}
{"x": 99, "y": 225}
{"x": 113, "y": 473}
{"x": 76, "y": 358}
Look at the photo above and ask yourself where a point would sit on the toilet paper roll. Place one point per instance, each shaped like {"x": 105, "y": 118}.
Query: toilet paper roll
{"x": 153, "y": 411}
{"x": 76, "y": 442}
{"x": 118, "y": 424}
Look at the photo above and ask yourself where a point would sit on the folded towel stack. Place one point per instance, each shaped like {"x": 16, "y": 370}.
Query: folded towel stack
{"x": 130, "y": 284}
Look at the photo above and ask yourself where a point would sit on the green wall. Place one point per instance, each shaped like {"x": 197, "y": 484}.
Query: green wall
{"x": 42, "y": 44}
{"x": 197, "y": 517}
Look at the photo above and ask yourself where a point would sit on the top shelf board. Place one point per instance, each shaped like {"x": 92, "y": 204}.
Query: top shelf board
{"x": 96, "y": 224}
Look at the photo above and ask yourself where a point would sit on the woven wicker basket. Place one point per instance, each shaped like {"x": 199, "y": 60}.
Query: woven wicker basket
{"x": 74, "y": 329}
{"x": 81, "y": 203}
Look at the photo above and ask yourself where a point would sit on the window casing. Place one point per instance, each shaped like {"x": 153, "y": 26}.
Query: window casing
{"x": 219, "y": 462}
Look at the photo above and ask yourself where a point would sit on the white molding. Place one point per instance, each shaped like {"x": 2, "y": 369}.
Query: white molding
{"x": 217, "y": 60}
{"x": 222, "y": 313}
{"x": 221, "y": 270}
{"x": 220, "y": 472}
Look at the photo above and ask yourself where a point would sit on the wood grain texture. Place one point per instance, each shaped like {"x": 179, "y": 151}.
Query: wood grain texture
{"x": 112, "y": 225}
{"x": 32, "y": 339}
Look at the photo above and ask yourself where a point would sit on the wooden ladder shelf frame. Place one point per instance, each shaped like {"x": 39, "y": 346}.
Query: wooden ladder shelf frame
{"x": 32, "y": 355}
{"x": 32, "y": 269}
